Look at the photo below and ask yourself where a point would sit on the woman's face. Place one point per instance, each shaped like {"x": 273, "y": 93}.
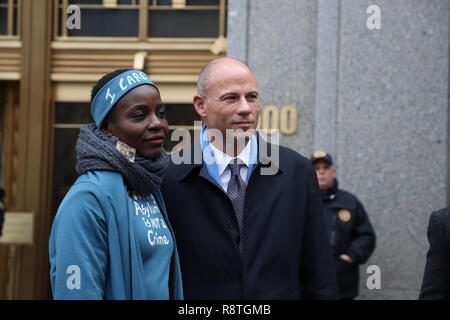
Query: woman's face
{"x": 138, "y": 119}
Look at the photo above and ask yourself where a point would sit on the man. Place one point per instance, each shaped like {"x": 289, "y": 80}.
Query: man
{"x": 352, "y": 238}
{"x": 436, "y": 278}
{"x": 242, "y": 233}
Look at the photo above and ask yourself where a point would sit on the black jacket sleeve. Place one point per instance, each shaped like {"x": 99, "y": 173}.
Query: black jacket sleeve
{"x": 436, "y": 279}
{"x": 319, "y": 272}
{"x": 363, "y": 238}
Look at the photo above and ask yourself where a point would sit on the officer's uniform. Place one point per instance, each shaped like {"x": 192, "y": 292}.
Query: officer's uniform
{"x": 350, "y": 233}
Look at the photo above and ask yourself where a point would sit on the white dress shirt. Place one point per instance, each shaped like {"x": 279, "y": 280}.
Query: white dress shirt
{"x": 222, "y": 160}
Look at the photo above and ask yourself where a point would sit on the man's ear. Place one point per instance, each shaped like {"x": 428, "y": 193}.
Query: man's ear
{"x": 333, "y": 171}
{"x": 199, "y": 104}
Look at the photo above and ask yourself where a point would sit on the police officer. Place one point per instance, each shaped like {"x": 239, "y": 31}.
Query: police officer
{"x": 2, "y": 210}
{"x": 352, "y": 237}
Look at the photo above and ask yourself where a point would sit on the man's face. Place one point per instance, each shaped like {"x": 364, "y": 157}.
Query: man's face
{"x": 231, "y": 99}
{"x": 325, "y": 174}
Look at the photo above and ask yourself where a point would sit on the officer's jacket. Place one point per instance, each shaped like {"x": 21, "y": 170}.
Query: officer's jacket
{"x": 349, "y": 227}
{"x": 350, "y": 233}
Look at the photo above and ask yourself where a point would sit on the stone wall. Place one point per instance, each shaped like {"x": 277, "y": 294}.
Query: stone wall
{"x": 376, "y": 99}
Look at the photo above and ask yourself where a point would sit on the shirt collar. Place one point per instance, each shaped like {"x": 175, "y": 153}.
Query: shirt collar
{"x": 222, "y": 159}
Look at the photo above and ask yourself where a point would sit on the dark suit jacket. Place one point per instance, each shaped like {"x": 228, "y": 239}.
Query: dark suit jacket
{"x": 436, "y": 279}
{"x": 286, "y": 252}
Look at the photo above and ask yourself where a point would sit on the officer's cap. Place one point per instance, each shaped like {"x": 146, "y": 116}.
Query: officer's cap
{"x": 322, "y": 156}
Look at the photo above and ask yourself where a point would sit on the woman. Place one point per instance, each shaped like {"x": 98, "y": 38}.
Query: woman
{"x": 111, "y": 238}
{"x": 436, "y": 279}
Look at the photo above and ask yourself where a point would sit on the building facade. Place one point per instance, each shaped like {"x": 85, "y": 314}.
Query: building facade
{"x": 51, "y": 54}
{"x": 375, "y": 98}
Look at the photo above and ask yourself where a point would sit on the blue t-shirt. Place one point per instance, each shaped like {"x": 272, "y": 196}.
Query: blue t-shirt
{"x": 155, "y": 243}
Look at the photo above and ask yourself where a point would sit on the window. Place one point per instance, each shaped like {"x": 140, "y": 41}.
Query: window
{"x": 143, "y": 19}
{"x": 195, "y": 19}
{"x": 100, "y": 19}
{"x": 9, "y": 19}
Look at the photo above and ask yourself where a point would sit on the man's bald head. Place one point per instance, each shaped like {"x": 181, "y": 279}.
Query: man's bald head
{"x": 228, "y": 99}
{"x": 207, "y": 73}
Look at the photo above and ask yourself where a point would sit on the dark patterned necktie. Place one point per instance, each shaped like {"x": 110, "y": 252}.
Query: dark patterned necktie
{"x": 236, "y": 193}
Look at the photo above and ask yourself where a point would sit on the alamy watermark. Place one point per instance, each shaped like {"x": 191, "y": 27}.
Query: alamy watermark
{"x": 74, "y": 280}
{"x": 374, "y": 280}
{"x": 74, "y": 17}
{"x": 374, "y": 20}
{"x": 268, "y": 146}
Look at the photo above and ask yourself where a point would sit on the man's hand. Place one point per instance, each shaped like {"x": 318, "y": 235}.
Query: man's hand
{"x": 346, "y": 258}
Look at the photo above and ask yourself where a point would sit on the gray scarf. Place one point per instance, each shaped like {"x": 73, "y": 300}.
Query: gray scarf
{"x": 97, "y": 151}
